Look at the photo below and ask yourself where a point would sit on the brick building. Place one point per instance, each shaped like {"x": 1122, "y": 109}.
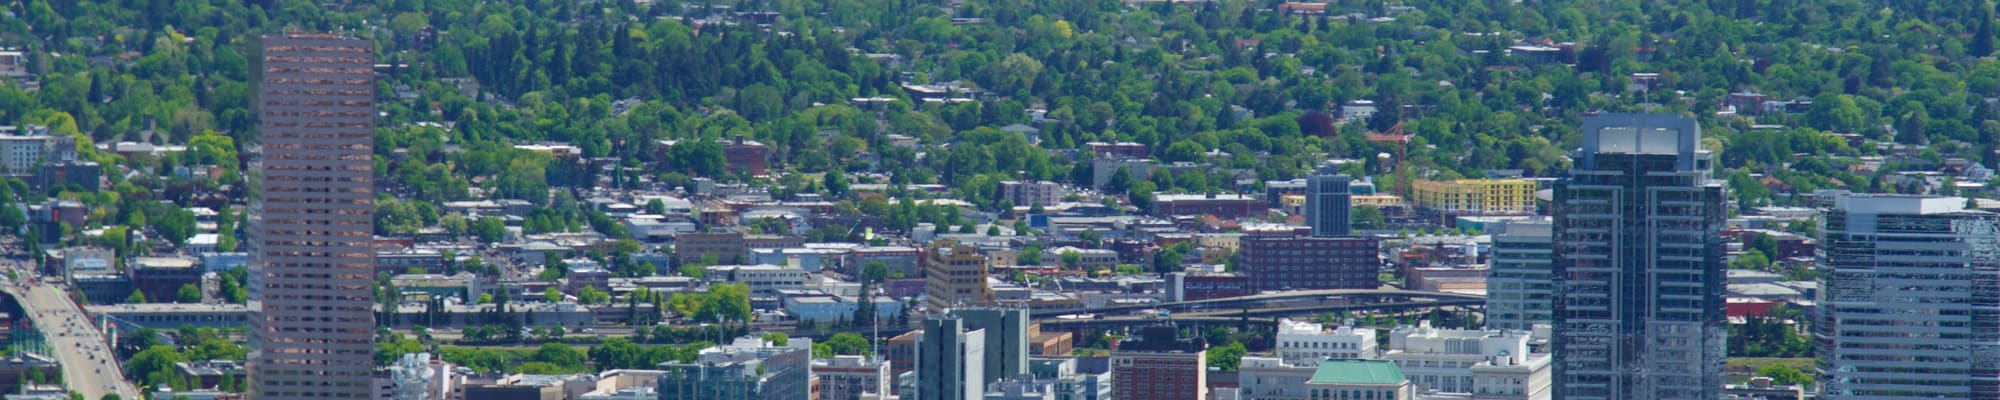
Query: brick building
{"x": 1280, "y": 263}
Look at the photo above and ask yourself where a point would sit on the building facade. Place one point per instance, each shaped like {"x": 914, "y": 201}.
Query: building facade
{"x": 1160, "y": 365}
{"x": 1007, "y": 335}
{"x": 950, "y": 360}
{"x": 1030, "y": 193}
{"x": 847, "y": 377}
{"x": 1329, "y": 204}
{"x": 1286, "y": 263}
{"x": 1518, "y": 286}
{"x": 312, "y": 214}
{"x": 1489, "y": 364}
{"x": 955, "y": 275}
{"x": 1229, "y": 206}
{"x": 1639, "y": 255}
{"x": 1305, "y": 343}
{"x": 1909, "y": 300}
{"x": 746, "y": 369}
{"x": 1476, "y": 196}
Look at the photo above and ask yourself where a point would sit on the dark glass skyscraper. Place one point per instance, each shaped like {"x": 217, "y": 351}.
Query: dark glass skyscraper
{"x": 1639, "y": 264}
{"x": 312, "y": 219}
{"x": 1329, "y": 204}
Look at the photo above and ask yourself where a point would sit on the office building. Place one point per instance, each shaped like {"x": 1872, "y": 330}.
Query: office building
{"x": 1272, "y": 378}
{"x": 1158, "y": 364}
{"x": 1030, "y": 193}
{"x": 1328, "y": 204}
{"x": 719, "y": 248}
{"x": 1476, "y": 196}
{"x": 847, "y": 377}
{"x": 1287, "y": 263}
{"x": 313, "y": 219}
{"x": 950, "y": 360}
{"x": 1359, "y": 380}
{"x": 1639, "y": 254}
{"x": 955, "y": 276}
{"x": 1909, "y": 300}
{"x": 1489, "y": 364}
{"x": 1518, "y": 286}
{"x": 1227, "y": 206}
{"x": 1007, "y": 331}
{"x": 749, "y": 368}
{"x": 1305, "y": 343}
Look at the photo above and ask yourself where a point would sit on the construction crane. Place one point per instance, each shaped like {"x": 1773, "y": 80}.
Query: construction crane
{"x": 1401, "y": 137}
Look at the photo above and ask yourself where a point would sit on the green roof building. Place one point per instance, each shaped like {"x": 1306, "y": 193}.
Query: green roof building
{"x": 1359, "y": 380}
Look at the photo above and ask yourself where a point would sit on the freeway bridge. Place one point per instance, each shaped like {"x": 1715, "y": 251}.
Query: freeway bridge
{"x": 88, "y": 366}
{"x": 1360, "y": 297}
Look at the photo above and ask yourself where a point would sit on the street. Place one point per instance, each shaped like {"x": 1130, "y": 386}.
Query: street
{"x": 88, "y": 365}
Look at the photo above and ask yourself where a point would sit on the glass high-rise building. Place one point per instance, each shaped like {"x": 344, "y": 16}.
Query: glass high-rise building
{"x": 312, "y": 219}
{"x": 1518, "y": 286}
{"x": 1909, "y": 300}
{"x": 1639, "y": 264}
{"x": 1329, "y": 204}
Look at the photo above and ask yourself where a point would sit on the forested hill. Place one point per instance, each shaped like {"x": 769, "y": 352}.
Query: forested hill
{"x": 1254, "y": 86}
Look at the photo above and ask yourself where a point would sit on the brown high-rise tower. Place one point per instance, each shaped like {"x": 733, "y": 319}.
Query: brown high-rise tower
{"x": 312, "y": 219}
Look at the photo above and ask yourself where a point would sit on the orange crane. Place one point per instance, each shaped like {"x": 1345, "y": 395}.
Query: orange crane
{"x": 1399, "y": 136}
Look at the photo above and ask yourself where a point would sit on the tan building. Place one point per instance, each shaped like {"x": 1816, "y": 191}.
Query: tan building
{"x": 955, "y": 276}
{"x": 728, "y": 248}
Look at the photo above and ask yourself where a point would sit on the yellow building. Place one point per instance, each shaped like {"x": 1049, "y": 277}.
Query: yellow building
{"x": 1378, "y": 200}
{"x": 1293, "y": 203}
{"x": 1477, "y": 196}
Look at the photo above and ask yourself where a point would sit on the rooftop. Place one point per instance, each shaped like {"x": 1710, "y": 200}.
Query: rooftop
{"x": 1358, "y": 372}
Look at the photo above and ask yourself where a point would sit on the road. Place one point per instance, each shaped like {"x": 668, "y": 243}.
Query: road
{"x": 88, "y": 365}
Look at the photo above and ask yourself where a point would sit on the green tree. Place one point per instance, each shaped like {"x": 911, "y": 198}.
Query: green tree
{"x": 590, "y": 295}
{"x": 552, "y": 295}
{"x": 188, "y": 293}
{"x": 1226, "y": 358}
{"x": 136, "y": 297}
{"x": 1368, "y": 218}
{"x": 1785, "y": 375}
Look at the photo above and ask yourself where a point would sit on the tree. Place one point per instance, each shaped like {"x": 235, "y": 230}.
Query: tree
{"x": 136, "y": 297}
{"x": 552, "y": 295}
{"x": 1785, "y": 375}
{"x": 1031, "y": 255}
{"x": 188, "y": 293}
{"x": 874, "y": 271}
{"x": 561, "y": 355}
{"x": 835, "y": 183}
{"x": 1368, "y": 218}
{"x": 489, "y": 229}
{"x": 1071, "y": 259}
{"x": 590, "y": 295}
{"x": 656, "y": 207}
{"x": 841, "y": 344}
{"x": 1226, "y": 358}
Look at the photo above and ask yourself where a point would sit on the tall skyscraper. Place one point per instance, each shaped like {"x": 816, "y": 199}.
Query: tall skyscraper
{"x": 312, "y": 219}
{"x": 1639, "y": 261}
{"x": 1518, "y": 286}
{"x": 951, "y": 359}
{"x": 1329, "y": 204}
{"x": 1909, "y": 300}
{"x": 1006, "y": 339}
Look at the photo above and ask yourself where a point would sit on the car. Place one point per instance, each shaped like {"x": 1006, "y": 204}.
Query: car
{"x": 589, "y": 330}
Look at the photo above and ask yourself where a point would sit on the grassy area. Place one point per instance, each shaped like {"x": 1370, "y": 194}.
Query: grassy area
{"x": 1741, "y": 369}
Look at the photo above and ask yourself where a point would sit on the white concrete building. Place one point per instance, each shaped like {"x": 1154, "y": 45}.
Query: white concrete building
{"x": 762, "y": 279}
{"x": 1271, "y": 378}
{"x": 847, "y": 377}
{"x": 1305, "y": 343}
{"x": 1488, "y": 364}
